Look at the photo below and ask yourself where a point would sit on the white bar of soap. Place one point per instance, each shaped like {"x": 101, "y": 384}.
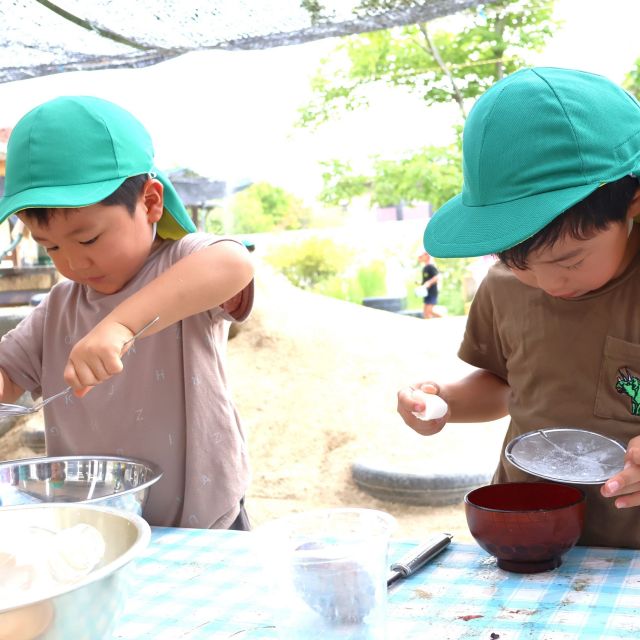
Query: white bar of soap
{"x": 75, "y": 552}
{"x": 434, "y": 406}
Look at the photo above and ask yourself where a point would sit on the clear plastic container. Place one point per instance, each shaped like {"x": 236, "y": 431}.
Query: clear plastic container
{"x": 330, "y": 567}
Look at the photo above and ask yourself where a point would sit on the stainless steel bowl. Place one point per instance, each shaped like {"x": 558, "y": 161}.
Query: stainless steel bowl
{"x": 121, "y": 483}
{"x": 90, "y": 607}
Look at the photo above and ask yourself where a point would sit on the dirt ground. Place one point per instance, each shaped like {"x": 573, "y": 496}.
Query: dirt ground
{"x": 315, "y": 382}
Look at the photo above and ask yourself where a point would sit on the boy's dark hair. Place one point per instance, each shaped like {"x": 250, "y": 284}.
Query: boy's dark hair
{"x": 606, "y": 205}
{"x": 126, "y": 194}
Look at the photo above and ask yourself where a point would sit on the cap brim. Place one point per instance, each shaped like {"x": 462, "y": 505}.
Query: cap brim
{"x": 460, "y": 231}
{"x": 180, "y": 222}
{"x": 79, "y": 195}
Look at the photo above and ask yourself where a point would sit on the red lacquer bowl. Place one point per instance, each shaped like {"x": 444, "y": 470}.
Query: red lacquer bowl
{"x": 527, "y": 526}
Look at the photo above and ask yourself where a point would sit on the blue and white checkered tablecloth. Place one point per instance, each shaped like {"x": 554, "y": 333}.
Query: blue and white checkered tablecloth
{"x": 196, "y": 584}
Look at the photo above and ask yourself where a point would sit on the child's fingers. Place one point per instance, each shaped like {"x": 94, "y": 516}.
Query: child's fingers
{"x": 626, "y": 482}
{"x": 80, "y": 393}
{"x": 623, "y": 483}
{"x": 429, "y": 387}
{"x": 427, "y": 427}
{"x": 406, "y": 408}
{"x": 71, "y": 378}
{"x": 406, "y": 402}
{"x": 633, "y": 455}
{"x": 612, "y": 486}
{"x": 110, "y": 366}
{"x": 411, "y": 403}
{"x": 90, "y": 372}
{"x": 623, "y": 489}
{"x": 630, "y": 498}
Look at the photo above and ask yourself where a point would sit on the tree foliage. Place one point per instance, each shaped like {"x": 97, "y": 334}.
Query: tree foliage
{"x": 432, "y": 175}
{"x": 264, "y": 207}
{"x": 309, "y": 262}
{"x": 631, "y": 81}
{"x": 439, "y": 66}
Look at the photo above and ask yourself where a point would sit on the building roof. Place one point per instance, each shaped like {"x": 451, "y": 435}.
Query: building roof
{"x": 197, "y": 190}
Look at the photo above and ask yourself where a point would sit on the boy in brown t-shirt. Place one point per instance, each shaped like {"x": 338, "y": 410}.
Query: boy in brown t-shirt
{"x": 550, "y": 164}
{"x": 80, "y": 175}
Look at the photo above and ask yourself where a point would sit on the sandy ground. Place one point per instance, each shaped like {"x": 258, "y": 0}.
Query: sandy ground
{"x": 315, "y": 382}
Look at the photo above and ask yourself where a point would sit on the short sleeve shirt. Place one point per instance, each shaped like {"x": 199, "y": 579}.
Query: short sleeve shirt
{"x": 171, "y": 405}
{"x": 564, "y": 360}
{"x": 428, "y": 272}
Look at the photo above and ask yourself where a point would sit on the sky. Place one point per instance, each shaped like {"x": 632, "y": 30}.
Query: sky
{"x": 230, "y": 115}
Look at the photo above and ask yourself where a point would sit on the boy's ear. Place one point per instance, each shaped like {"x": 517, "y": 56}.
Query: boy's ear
{"x": 153, "y": 199}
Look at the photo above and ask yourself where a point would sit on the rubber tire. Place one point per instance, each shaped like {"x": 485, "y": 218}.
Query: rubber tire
{"x": 411, "y": 313}
{"x": 385, "y": 303}
{"x": 436, "y": 489}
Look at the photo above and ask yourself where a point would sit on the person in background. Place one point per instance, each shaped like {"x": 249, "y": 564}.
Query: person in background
{"x": 551, "y": 158}
{"x": 58, "y": 475}
{"x": 80, "y": 175}
{"x": 430, "y": 278}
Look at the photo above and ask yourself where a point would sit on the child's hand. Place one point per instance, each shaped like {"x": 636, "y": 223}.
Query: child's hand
{"x": 411, "y": 401}
{"x": 625, "y": 486}
{"x": 96, "y": 357}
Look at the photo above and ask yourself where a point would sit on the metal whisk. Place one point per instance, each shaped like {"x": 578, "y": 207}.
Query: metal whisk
{"x": 9, "y": 410}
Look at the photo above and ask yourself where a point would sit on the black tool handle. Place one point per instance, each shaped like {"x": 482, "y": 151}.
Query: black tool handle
{"x": 416, "y": 558}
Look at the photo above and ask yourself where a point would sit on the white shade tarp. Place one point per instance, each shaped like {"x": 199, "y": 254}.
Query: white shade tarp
{"x": 40, "y": 37}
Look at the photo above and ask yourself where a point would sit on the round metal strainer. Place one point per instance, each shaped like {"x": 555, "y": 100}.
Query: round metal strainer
{"x": 567, "y": 455}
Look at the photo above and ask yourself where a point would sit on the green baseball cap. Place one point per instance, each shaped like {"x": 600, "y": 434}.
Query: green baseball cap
{"x": 74, "y": 151}
{"x": 536, "y": 143}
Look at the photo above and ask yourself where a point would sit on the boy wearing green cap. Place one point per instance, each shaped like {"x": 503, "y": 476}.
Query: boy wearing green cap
{"x": 80, "y": 175}
{"x": 550, "y": 159}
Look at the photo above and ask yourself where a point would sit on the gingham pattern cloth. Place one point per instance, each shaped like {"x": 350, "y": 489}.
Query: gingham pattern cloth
{"x": 193, "y": 583}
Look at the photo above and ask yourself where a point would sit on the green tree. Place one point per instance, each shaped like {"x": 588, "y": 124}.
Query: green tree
{"x": 264, "y": 207}
{"x": 432, "y": 175}
{"x": 214, "y": 221}
{"x": 631, "y": 81}
{"x": 439, "y": 66}
{"x": 309, "y": 262}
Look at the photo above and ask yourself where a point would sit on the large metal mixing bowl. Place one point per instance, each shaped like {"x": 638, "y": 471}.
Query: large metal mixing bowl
{"x": 121, "y": 483}
{"x": 86, "y": 609}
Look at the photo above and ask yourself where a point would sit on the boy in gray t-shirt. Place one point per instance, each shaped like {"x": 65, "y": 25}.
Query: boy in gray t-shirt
{"x": 80, "y": 175}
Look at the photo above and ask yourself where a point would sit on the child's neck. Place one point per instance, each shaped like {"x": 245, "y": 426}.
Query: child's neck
{"x": 157, "y": 241}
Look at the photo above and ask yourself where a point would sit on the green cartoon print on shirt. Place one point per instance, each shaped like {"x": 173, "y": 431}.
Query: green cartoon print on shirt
{"x": 629, "y": 385}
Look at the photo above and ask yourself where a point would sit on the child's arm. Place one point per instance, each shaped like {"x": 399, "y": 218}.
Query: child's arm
{"x": 10, "y": 391}
{"x": 198, "y": 282}
{"x": 479, "y": 397}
